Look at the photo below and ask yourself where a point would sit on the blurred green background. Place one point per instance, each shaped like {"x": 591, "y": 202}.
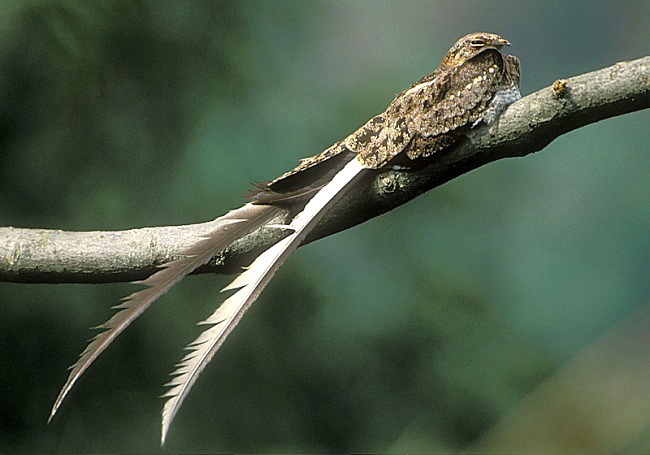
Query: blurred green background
{"x": 416, "y": 331}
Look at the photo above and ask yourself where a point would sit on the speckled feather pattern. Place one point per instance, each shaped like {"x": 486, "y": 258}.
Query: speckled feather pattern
{"x": 470, "y": 85}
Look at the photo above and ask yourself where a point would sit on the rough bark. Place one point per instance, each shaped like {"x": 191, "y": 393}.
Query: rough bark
{"x": 54, "y": 256}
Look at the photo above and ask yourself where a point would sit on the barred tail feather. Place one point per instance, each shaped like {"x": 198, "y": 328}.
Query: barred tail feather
{"x": 250, "y": 284}
{"x": 231, "y": 227}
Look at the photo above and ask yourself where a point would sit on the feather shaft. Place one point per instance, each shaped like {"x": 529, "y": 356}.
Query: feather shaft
{"x": 250, "y": 283}
{"x": 231, "y": 226}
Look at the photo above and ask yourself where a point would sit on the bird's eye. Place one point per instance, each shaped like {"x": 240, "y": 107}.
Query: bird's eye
{"x": 477, "y": 43}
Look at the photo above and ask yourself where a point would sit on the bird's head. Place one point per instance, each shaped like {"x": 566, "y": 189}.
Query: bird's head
{"x": 469, "y": 46}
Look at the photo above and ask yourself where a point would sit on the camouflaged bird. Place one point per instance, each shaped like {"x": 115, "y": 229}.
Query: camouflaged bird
{"x": 474, "y": 83}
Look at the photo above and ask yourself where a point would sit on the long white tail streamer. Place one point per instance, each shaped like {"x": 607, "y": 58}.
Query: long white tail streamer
{"x": 233, "y": 225}
{"x": 250, "y": 283}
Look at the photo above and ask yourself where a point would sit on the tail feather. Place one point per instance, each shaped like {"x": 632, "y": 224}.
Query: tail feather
{"x": 231, "y": 227}
{"x": 250, "y": 283}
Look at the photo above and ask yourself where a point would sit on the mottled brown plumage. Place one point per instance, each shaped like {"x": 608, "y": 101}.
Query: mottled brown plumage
{"x": 473, "y": 83}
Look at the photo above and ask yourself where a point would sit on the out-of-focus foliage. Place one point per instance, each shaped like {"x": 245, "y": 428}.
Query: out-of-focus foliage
{"x": 416, "y": 331}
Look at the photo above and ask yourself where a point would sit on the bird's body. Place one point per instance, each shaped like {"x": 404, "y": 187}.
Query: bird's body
{"x": 473, "y": 84}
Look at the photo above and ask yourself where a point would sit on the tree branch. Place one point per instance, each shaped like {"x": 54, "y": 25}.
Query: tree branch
{"x": 53, "y": 256}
